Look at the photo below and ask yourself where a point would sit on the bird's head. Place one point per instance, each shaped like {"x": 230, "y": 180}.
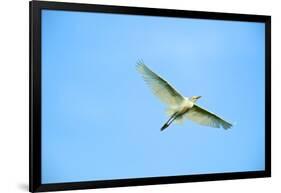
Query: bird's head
{"x": 195, "y": 98}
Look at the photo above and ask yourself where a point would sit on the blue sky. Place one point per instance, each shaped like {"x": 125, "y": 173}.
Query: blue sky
{"x": 101, "y": 121}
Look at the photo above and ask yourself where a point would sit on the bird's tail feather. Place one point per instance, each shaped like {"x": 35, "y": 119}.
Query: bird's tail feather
{"x": 179, "y": 119}
{"x": 170, "y": 111}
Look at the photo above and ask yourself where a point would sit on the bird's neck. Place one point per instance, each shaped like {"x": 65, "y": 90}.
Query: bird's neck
{"x": 193, "y": 100}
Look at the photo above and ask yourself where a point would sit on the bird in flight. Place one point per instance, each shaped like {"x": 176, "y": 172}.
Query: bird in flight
{"x": 179, "y": 107}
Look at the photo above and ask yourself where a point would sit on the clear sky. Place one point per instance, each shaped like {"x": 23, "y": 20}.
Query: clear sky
{"x": 101, "y": 121}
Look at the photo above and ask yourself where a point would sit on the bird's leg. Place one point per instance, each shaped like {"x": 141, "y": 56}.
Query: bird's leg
{"x": 170, "y": 120}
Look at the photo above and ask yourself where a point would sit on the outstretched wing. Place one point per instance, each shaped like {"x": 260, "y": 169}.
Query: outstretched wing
{"x": 160, "y": 87}
{"x": 204, "y": 117}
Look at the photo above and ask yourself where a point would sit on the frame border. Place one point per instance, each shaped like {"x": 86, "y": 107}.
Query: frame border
{"x": 35, "y": 8}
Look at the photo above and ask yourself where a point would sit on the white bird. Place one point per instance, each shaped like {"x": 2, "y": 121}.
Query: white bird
{"x": 179, "y": 107}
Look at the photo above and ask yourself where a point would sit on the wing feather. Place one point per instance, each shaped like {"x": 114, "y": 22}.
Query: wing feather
{"x": 204, "y": 117}
{"x": 160, "y": 87}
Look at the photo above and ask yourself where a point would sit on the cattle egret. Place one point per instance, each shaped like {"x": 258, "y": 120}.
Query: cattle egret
{"x": 179, "y": 107}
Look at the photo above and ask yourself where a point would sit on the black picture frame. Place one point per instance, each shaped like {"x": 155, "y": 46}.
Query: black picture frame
{"x": 35, "y": 184}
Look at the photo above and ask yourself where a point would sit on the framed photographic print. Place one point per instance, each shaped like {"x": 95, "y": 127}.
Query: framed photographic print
{"x": 126, "y": 96}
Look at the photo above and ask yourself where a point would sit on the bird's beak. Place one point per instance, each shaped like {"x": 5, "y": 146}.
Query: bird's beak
{"x": 198, "y": 97}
